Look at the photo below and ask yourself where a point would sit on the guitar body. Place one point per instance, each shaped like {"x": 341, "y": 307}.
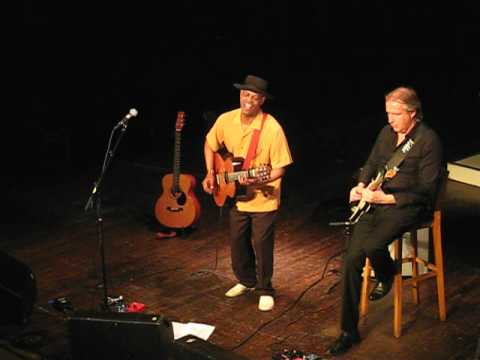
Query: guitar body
{"x": 177, "y": 209}
{"x": 223, "y": 163}
{"x": 362, "y": 207}
{"x": 228, "y": 170}
{"x": 358, "y": 210}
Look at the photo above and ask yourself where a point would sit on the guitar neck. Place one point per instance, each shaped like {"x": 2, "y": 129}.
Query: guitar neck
{"x": 377, "y": 182}
{"x": 176, "y": 160}
{"x": 232, "y": 176}
{"x": 374, "y": 185}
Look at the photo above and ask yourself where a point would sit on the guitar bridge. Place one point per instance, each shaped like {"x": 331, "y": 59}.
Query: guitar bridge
{"x": 174, "y": 209}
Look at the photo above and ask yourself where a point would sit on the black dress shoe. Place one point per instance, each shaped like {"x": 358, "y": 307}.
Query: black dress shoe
{"x": 344, "y": 342}
{"x": 381, "y": 289}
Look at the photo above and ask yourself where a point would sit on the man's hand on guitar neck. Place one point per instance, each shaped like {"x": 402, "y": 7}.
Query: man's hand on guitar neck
{"x": 273, "y": 174}
{"x": 245, "y": 180}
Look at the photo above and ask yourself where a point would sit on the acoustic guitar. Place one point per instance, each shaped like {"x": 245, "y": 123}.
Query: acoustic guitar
{"x": 178, "y": 206}
{"x": 228, "y": 170}
{"x": 361, "y": 207}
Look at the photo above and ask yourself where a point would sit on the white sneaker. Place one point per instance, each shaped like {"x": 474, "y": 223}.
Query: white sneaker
{"x": 237, "y": 290}
{"x": 266, "y": 303}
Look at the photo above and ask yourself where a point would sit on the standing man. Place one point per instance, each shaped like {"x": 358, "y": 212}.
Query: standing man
{"x": 252, "y": 220}
{"x": 396, "y": 206}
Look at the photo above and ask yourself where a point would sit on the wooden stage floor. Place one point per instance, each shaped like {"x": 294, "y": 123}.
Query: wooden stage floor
{"x": 184, "y": 278}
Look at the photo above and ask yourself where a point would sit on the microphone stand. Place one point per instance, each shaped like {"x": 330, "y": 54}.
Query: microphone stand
{"x": 347, "y": 231}
{"x": 95, "y": 198}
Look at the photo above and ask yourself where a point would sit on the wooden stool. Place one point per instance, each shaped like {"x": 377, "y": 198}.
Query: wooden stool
{"x": 435, "y": 270}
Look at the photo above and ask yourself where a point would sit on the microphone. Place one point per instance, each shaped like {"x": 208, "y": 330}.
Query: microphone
{"x": 124, "y": 121}
{"x": 340, "y": 223}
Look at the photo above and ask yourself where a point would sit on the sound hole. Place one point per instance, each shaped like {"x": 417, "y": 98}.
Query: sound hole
{"x": 180, "y": 197}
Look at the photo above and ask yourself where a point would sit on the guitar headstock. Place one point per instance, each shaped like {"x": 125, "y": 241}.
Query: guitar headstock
{"x": 180, "y": 121}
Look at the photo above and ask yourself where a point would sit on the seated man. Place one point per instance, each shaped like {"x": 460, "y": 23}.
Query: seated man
{"x": 395, "y": 206}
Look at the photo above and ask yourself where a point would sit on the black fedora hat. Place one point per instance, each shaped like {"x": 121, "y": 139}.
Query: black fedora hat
{"x": 255, "y": 84}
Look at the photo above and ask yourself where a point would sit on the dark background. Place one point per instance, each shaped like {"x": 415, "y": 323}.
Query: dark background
{"x": 82, "y": 67}
{"x": 78, "y": 67}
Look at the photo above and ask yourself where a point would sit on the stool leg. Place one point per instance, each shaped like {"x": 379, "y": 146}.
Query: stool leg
{"x": 438, "y": 251}
{"x": 415, "y": 284}
{"x": 367, "y": 269}
{"x": 397, "y": 290}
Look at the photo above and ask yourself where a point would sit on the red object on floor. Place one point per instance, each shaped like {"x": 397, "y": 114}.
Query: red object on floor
{"x": 136, "y": 307}
{"x": 163, "y": 235}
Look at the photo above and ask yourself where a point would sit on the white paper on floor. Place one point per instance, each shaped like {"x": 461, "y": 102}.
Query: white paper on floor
{"x": 203, "y": 331}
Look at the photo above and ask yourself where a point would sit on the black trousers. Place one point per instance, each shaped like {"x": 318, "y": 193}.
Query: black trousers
{"x": 251, "y": 241}
{"x": 370, "y": 238}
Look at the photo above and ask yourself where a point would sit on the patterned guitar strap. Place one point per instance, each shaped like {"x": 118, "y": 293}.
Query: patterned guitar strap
{"x": 400, "y": 154}
{"x": 391, "y": 167}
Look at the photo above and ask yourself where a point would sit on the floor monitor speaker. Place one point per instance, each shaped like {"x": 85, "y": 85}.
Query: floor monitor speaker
{"x": 120, "y": 336}
{"x": 18, "y": 290}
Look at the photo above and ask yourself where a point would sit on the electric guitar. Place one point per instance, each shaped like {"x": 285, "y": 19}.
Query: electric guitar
{"x": 228, "y": 170}
{"x": 177, "y": 207}
{"x": 362, "y": 207}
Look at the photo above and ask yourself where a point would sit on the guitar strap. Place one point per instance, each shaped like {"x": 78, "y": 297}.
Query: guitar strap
{"x": 402, "y": 151}
{"x": 253, "y": 144}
